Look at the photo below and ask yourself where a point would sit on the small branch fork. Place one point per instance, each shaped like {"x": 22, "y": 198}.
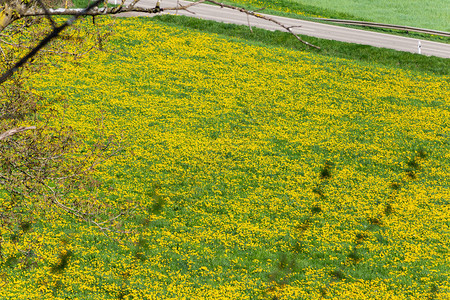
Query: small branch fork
{"x": 82, "y": 215}
{"x": 13, "y": 131}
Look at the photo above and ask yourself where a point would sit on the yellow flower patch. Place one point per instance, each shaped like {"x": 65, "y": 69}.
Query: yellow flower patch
{"x": 276, "y": 168}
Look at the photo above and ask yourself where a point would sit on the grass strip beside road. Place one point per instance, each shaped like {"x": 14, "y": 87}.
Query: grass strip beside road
{"x": 432, "y": 14}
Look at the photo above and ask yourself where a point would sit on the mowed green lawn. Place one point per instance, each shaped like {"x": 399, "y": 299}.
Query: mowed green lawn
{"x": 283, "y": 174}
{"x": 433, "y": 14}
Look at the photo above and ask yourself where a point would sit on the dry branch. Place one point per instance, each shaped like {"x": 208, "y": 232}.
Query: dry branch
{"x": 264, "y": 17}
{"x": 13, "y": 131}
{"x": 99, "y": 11}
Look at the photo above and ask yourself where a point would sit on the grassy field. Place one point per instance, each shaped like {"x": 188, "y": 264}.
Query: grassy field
{"x": 283, "y": 173}
{"x": 433, "y": 14}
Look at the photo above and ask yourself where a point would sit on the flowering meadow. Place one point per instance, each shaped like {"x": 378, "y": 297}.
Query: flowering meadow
{"x": 277, "y": 174}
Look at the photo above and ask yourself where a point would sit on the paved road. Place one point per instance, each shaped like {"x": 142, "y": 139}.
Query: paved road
{"x": 308, "y": 28}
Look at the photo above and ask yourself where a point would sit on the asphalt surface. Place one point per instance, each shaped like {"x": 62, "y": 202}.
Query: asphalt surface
{"x": 308, "y": 28}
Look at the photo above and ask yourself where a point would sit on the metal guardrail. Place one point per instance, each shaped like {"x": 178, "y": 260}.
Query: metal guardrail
{"x": 387, "y": 26}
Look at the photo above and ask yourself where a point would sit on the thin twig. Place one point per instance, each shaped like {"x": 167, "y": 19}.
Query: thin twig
{"x": 105, "y": 10}
{"x": 249, "y": 26}
{"x": 133, "y": 3}
{"x": 13, "y": 131}
{"x": 3, "y": 53}
{"x": 97, "y": 162}
{"x": 264, "y": 17}
{"x": 47, "y": 14}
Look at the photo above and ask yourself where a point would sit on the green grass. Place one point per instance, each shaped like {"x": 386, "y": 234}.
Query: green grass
{"x": 362, "y": 53}
{"x": 81, "y": 3}
{"x": 84, "y": 3}
{"x": 434, "y": 14}
{"x": 292, "y": 8}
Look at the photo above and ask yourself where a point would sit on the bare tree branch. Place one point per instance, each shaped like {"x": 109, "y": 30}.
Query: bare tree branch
{"x": 249, "y": 25}
{"x": 98, "y": 11}
{"x": 13, "y": 131}
{"x": 264, "y": 17}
